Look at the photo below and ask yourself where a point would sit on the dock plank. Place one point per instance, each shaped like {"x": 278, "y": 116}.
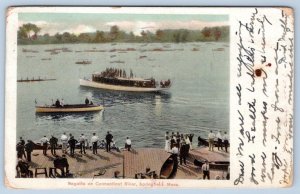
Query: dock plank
{"x": 139, "y": 159}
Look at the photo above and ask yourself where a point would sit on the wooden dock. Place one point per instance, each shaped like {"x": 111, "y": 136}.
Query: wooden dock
{"x": 136, "y": 161}
{"x": 129, "y": 163}
{"x": 83, "y": 165}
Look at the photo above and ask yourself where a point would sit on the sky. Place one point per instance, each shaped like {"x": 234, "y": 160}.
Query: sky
{"x": 77, "y": 23}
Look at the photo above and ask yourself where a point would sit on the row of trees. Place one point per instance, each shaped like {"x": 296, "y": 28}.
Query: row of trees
{"x": 28, "y": 34}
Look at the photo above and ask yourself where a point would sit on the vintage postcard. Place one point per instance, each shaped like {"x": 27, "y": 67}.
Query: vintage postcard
{"x": 149, "y": 97}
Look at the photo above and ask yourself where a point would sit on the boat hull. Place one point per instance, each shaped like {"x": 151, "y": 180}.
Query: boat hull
{"x": 89, "y": 83}
{"x": 70, "y": 109}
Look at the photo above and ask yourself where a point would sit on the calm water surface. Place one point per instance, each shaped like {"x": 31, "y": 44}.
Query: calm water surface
{"x": 197, "y": 101}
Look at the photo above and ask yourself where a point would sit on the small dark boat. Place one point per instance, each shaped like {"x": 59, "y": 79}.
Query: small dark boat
{"x": 167, "y": 169}
{"x": 217, "y": 165}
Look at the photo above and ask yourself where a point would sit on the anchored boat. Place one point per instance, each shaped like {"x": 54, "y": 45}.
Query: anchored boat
{"x": 68, "y": 108}
{"x": 116, "y": 79}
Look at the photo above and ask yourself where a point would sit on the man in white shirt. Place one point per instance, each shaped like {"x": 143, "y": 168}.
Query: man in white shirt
{"x": 219, "y": 139}
{"x": 174, "y": 156}
{"x": 205, "y": 170}
{"x": 94, "y": 141}
{"x": 44, "y": 142}
{"x": 226, "y": 141}
{"x": 128, "y": 144}
{"x": 211, "y": 141}
{"x": 64, "y": 143}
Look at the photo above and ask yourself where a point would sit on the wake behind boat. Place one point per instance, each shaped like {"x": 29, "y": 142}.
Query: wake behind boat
{"x": 68, "y": 108}
{"x": 116, "y": 79}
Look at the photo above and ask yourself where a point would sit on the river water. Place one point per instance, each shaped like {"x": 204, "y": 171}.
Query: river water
{"x": 198, "y": 100}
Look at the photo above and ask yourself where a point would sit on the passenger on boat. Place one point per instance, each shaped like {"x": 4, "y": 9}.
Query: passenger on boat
{"x": 91, "y": 103}
{"x": 87, "y": 101}
{"x": 162, "y": 84}
{"x": 62, "y": 102}
{"x": 57, "y": 103}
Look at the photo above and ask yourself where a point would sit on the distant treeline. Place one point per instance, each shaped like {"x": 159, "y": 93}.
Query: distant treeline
{"x": 29, "y": 34}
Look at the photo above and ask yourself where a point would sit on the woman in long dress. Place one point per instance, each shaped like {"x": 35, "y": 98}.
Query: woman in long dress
{"x": 187, "y": 141}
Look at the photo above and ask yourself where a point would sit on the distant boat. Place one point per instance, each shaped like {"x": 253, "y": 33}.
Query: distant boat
{"x": 218, "y": 49}
{"x": 115, "y": 80}
{"x": 68, "y": 108}
{"x": 34, "y": 80}
{"x": 83, "y": 62}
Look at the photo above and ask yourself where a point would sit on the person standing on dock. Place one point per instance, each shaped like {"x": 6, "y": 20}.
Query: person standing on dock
{"x": 191, "y": 140}
{"x": 183, "y": 152}
{"x": 22, "y": 141}
{"x": 211, "y": 141}
{"x": 174, "y": 156}
{"x": 64, "y": 143}
{"x": 205, "y": 170}
{"x": 20, "y": 150}
{"x": 94, "y": 141}
{"x": 220, "y": 143}
{"x": 187, "y": 142}
{"x": 128, "y": 144}
{"x": 82, "y": 143}
{"x": 53, "y": 144}
{"x": 108, "y": 139}
{"x": 29, "y": 149}
{"x": 226, "y": 141}
{"x": 72, "y": 142}
{"x": 167, "y": 142}
{"x": 44, "y": 142}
